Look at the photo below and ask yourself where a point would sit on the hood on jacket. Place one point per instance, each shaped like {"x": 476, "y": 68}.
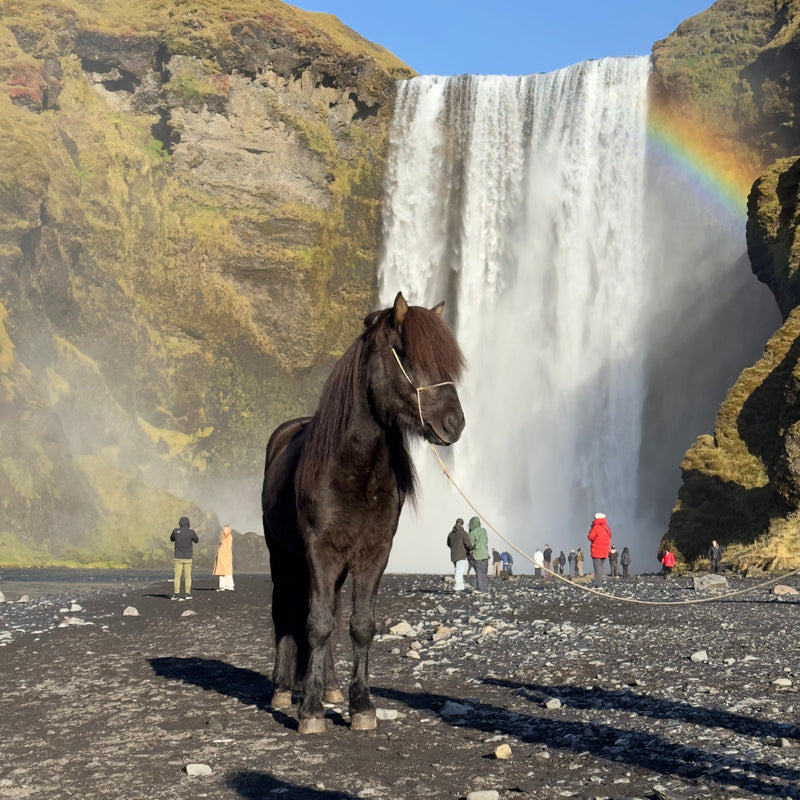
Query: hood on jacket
{"x": 475, "y": 522}
{"x": 183, "y": 522}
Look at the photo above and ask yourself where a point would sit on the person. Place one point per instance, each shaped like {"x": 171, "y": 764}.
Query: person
{"x": 538, "y": 563}
{"x": 480, "y": 554}
{"x": 497, "y": 563}
{"x": 625, "y": 560}
{"x": 579, "y": 562}
{"x": 562, "y": 562}
{"x": 571, "y": 558}
{"x": 223, "y": 561}
{"x": 668, "y": 562}
{"x": 715, "y": 556}
{"x": 600, "y": 537}
{"x": 508, "y": 563}
{"x": 185, "y": 539}
{"x": 613, "y": 561}
{"x": 460, "y": 547}
{"x": 547, "y": 559}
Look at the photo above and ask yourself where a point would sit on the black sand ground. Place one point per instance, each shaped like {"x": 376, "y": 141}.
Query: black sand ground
{"x": 119, "y": 708}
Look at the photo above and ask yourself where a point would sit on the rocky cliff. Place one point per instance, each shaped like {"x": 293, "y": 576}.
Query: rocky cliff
{"x": 189, "y": 225}
{"x": 735, "y": 69}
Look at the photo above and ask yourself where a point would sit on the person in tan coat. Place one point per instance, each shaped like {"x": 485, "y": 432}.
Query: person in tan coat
{"x": 223, "y": 563}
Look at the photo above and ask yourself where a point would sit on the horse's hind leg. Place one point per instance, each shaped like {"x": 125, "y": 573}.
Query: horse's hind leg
{"x": 289, "y": 612}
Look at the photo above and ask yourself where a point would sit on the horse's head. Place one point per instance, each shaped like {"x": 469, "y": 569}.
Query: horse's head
{"x": 416, "y": 363}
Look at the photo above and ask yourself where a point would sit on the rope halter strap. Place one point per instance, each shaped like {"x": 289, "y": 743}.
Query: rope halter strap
{"x": 418, "y": 389}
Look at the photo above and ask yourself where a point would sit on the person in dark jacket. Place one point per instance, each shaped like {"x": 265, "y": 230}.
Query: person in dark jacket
{"x": 600, "y": 537}
{"x": 613, "y": 561}
{"x": 562, "y": 562}
{"x": 715, "y": 556}
{"x": 185, "y": 539}
{"x": 497, "y": 563}
{"x": 460, "y": 547}
{"x": 547, "y": 560}
{"x": 480, "y": 554}
{"x": 572, "y": 559}
{"x": 625, "y": 560}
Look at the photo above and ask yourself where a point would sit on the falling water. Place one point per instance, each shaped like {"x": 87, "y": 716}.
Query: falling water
{"x": 522, "y": 201}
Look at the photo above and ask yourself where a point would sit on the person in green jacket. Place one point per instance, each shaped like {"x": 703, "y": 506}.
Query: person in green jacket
{"x": 480, "y": 554}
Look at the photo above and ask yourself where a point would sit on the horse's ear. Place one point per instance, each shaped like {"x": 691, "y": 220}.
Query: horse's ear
{"x": 399, "y": 310}
{"x": 438, "y": 309}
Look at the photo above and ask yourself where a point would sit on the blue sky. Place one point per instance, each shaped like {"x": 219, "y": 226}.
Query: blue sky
{"x": 509, "y": 37}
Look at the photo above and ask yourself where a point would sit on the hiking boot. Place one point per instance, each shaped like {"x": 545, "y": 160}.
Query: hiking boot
{"x": 175, "y": 597}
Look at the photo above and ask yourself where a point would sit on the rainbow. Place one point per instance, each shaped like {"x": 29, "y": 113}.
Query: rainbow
{"x": 720, "y": 171}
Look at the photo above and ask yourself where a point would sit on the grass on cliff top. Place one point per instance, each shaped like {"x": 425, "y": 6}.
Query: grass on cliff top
{"x": 188, "y": 22}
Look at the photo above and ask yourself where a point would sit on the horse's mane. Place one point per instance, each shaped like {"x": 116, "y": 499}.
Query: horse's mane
{"x": 430, "y": 347}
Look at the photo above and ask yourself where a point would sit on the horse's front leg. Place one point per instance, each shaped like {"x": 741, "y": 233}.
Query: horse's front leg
{"x": 321, "y": 619}
{"x": 362, "y": 632}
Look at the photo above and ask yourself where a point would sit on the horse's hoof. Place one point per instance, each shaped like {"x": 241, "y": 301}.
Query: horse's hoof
{"x": 363, "y": 721}
{"x": 332, "y": 696}
{"x": 311, "y": 725}
{"x": 282, "y": 700}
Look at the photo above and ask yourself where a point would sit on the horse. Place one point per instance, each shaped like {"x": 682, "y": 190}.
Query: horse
{"x": 334, "y": 486}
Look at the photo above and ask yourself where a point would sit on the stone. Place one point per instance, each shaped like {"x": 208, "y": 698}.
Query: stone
{"x": 413, "y": 654}
{"x": 702, "y": 583}
{"x": 782, "y": 590}
{"x": 2, "y": 598}
{"x": 502, "y": 752}
{"x": 401, "y": 629}
{"x": 552, "y": 703}
{"x": 442, "y": 633}
{"x": 75, "y": 608}
{"x": 387, "y": 714}
{"x": 188, "y": 613}
{"x": 782, "y": 682}
{"x": 130, "y": 611}
{"x": 198, "y": 770}
{"x": 67, "y": 621}
{"x": 484, "y": 794}
{"x": 700, "y": 655}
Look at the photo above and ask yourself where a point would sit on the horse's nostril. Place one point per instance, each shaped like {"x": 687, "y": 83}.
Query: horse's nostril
{"x": 454, "y": 423}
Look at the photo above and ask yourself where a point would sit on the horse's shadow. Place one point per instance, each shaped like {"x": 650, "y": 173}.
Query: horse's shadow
{"x": 638, "y": 749}
{"x": 257, "y": 785}
{"x": 247, "y": 686}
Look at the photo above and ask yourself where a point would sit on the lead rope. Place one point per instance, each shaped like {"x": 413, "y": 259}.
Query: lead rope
{"x": 587, "y": 588}
{"x": 419, "y": 389}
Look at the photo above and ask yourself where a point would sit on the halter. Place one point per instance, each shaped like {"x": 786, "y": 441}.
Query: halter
{"x": 418, "y": 389}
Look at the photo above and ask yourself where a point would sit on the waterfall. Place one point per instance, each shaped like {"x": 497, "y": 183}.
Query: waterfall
{"x": 524, "y": 203}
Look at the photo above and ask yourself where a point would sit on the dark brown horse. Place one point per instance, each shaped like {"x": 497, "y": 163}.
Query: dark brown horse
{"x": 334, "y": 486}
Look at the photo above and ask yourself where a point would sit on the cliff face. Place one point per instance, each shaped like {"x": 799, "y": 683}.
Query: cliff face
{"x": 735, "y": 68}
{"x": 189, "y": 227}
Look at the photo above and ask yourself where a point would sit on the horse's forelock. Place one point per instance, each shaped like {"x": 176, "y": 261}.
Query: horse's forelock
{"x": 430, "y": 345}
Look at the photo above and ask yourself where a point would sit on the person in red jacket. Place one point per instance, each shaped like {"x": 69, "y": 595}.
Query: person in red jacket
{"x": 600, "y": 537}
{"x": 668, "y": 562}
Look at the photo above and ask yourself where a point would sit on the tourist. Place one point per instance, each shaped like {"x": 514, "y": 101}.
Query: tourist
{"x": 185, "y": 539}
{"x": 715, "y": 556}
{"x": 538, "y": 564}
{"x": 497, "y": 563}
{"x": 547, "y": 558}
{"x": 460, "y": 547}
{"x": 223, "y": 561}
{"x": 508, "y": 563}
{"x": 562, "y": 562}
{"x": 480, "y": 554}
{"x": 613, "y": 561}
{"x": 579, "y": 562}
{"x": 600, "y": 537}
{"x": 571, "y": 559}
{"x": 625, "y": 560}
{"x": 668, "y": 562}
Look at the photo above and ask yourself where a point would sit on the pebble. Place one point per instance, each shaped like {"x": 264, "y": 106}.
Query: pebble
{"x": 783, "y": 591}
{"x": 782, "y": 682}
{"x": 130, "y": 611}
{"x": 502, "y": 752}
{"x": 387, "y": 714}
{"x": 198, "y": 770}
{"x": 484, "y": 794}
{"x": 552, "y": 703}
{"x": 700, "y": 655}
{"x": 401, "y": 629}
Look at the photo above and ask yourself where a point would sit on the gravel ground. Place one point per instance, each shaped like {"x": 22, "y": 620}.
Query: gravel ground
{"x": 538, "y": 690}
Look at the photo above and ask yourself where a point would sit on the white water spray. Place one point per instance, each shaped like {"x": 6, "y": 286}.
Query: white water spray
{"x": 522, "y": 203}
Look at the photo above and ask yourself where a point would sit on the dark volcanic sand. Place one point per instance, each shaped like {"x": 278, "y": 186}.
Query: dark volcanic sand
{"x": 120, "y": 707}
